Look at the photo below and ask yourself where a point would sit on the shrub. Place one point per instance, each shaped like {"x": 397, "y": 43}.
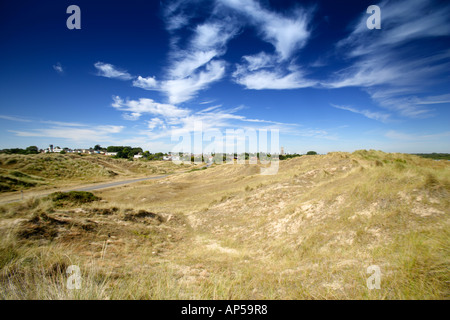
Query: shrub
{"x": 72, "y": 198}
{"x": 11, "y": 161}
{"x": 7, "y": 254}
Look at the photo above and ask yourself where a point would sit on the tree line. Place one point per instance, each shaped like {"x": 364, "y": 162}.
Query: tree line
{"x": 29, "y": 150}
{"x": 128, "y": 152}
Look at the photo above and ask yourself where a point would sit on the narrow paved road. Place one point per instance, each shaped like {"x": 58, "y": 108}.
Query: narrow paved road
{"x": 93, "y": 187}
{"x": 117, "y": 183}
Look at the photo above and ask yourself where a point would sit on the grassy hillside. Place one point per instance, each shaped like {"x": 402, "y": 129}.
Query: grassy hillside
{"x": 20, "y": 172}
{"x": 227, "y": 232}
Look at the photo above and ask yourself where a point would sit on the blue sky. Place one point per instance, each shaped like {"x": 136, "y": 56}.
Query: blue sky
{"x": 137, "y": 71}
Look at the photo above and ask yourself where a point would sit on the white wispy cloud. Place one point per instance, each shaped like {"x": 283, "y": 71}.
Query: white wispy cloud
{"x": 210, "y": 108}
{"x": 390, "y": 63}
{"x": 402, "y": 22}
{"x": 380, "y": 116}
{"x": 207, "y": 102}
{"x": 183, "y": 89}
{"x": 62, "y": 123}
{"x": 13, "y": 118}
{"x": 195, "y": 64}
{"x": 258, "y": 61}
{"x": 271, "y": 79}
{"x": 58, "y": 68}
{"x": 148, "y": 83}
{"x": 176, "y": 16}
{"x": 445, "y": 98}
{"x": 405, "y": 104}
{"x": 287, "y": 33}
{"x": 167, "y": 119}
{"x": 109, "y": 71}
{"x": 188, "y": 62}
{"x": 155, "y": 122}
{"x": 396, "y": 135}
{"x": 82, "y": 133}
{"x": 148, "y": 106}
{"x": 395, "y": 68}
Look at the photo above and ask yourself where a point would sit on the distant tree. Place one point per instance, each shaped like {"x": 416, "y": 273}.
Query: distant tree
{"x": 124, "y": 152}
{"x": 32, "y": 150}
{"x": 158, "y": 156}
{"x": 62, "y": 152}
{"x": 146, "y": 154}
{"x": 14, "y": 151}
{"x": 134, "y": 151}
{"x": 311, "y": 153}
{"x": 115, "y": 148}
{"x": 289, "y": 156}
{"x": 97, "y": 147}
{"x": 434, "y": 155}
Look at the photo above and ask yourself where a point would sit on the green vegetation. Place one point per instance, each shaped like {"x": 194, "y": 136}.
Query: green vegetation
{"x": 12, "y": 180}
{"x": 153, "y": 157}
{"x": 436, "y": 156}
{"x": 29, "y": 150}
{"x": 198, "y": 169}
{"x": 72, "y": 198}
{"x": 46, "y": 170}
{"x": 289, "y": 156}
{"x": 124, "y": 152}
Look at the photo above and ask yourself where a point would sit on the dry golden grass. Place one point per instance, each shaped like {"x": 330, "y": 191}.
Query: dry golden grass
{"x": 20, "y": 172}
{"x": 308, "y": 232}
{"x": 31, "y": 176}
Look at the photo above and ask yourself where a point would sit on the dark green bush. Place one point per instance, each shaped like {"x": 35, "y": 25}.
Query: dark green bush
{"x": 72, "y": 198}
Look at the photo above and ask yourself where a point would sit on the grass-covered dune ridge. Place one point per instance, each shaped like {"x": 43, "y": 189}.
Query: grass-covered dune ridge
{"x": 22, "y": 172}
{"x": 227, "y": 232}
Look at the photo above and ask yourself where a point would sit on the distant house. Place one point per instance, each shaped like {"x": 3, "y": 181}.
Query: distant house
{"x": 111, "y": 153}
{"x": 90, "y": 151}
{"x": 53, "y": 150}
{"x": 137, "y": 156}
{"x": 167, "y": 158}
